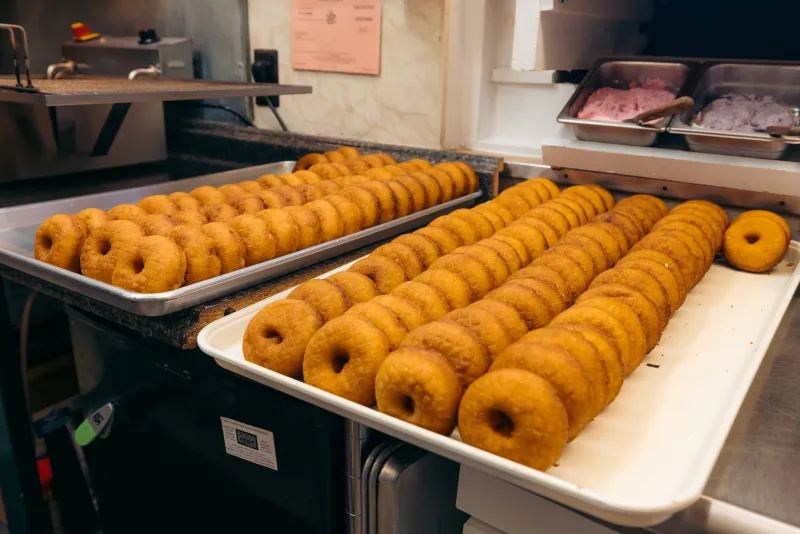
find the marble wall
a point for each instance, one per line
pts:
(402, 105)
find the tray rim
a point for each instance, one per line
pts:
(537, 482)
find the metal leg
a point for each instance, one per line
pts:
(355, 446)
(110, 128)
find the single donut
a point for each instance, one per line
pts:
(403, 201)
(308, 160)
(158, 204)
(624, 222)
(395, 170)
(592, 247)
(662, 268)
(156, 224)
(385, 198)
(454, 288)
(377, 174)
(552, 217)
(384, 272)
(767, 215)
(343, 358)
(357, 166)
(605, 322)
(608, 198)
(509, 317)
(269, 181)
(587, 207)
(533, 309)
(328, 187)
(228, 246)
(334, 157)
(232, 192)
(643, 209)
(541, 191)
(325, 297)
(562, 371)
(422, 164)
(190, 218)
(547, 276)
(484, 326)
(201, 262)
(355, 286)
(219, 212)
(548, 184)
(344, 181)
(573, 221)
(427, 250)
(373, 160)
(367, 203)
(59, 241)
(409, 166)
(641, 281)
(185, 201)
(384, 319)
(271, 199)
(258, 242)
(420, 387)
(102, 249)
(628, 318)
(755, 244)
(276, 338)
(290, 195)
(705, 215)
(445, 182)
(428, 298)
(701, 241)
(445, 239)
(703, 223)
(433, 191)
(92, 218)
(494, 219)
(516, 415)
(709, 207)
(473, 183)
(331, 225)
(475, 273)
(694, 261)
(652, 316)
(409, 313)
(572, 205)
(464, 229)
(251, 186)
(348, 212)
(515, 204)
(325, 171)
(308, 225)
(459, 177)
(154, 264)
(506, 251)
(547, 231)
(658, 207)
(519, 247)
(309, 192)
(404, 256)
(283, 228)
(613, 231)
(419, 197)
(497, 209)
(293, 179)
(528, 193)
(387, 159)
(568, 269)
(491, 259)
(307, 177)
(460, 347)
(546, 293)
(349, 153)
(126, 212)
(480, 222)
(673, 248)
(599, 232)
(606, 350)
(588, 194)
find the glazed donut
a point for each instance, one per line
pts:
(355, 286)
(409, 313)
(428, 298)
(531, 238)
(568, 269)
(446, 183)
(624, 222)
(384, 272)
(461, 181)
(348, 212)
(248, 203)
(547, 276)
(219, 212)
(446, 240)
(519, 247)
(384, 319)
(185, 201)
(419, 197)
(420, 387)
(755, 244)
(546, 293)
(325, 297)
(562, 371)
(330, 223)
(308, 225)
(573, 206)
(404, 256)
(628, 318)
(662, 268)
(606, 351)
(326, 171)
(603, 321)
(454, 288)
(573, 221)
(126, 212)
(552, 217)
(276, 338)
(385, 198)
(228, 246)
(231, 192)
(156, 224)
(334, 156)
(403, 201)
(308, 177)
(158, 204)
(373, 160)
(531, 307)
(473, 183)
(589, 194)
(268, 181)
(99, 254)
(433, 191)
(464, 229)
(201, 262)
(484, 326)
(527, 193)
(290, 195)
(343, 358)
(592, 247)
(258, 242)
(491, 259)
(367, 204)
(476, 219)
(515, 204)
(271, 199)
(153, 264)
(767, 215)
(460, 347)
(514, 414)
(506, 251)
(494, 219)
(308, 160)
(92, 218)
(349, 152)
(509, 317)
(59, 241)
(641, 281)
(292, 179)
(475, 273)
(251, 186)
(427, 250)
(190, 218)
(357, 166)
(548, 232)
(652, 316)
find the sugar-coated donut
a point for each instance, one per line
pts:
(690, 259)
(324, 296)
(498, 210)
(662, 268)
(158, 204)
(755, 244)
(703, 242)
(201, 262)
(367, 203)
(126, 212)
(330, 223)
(703, 223)
(515, 204)
(531, 238)
(714, 210)
(308, 160)
(271, 199)
(403, 201)
(454, 288)
(624, 222)
(569, 270)
(156, 224)
(276, 338)
(384, 319)
(548, 294)
(219, 212)
(290, 195)
(642, 281)
(547, 276)
(589, 194)
(427, 250)
(552, 217)
(579, 256)
(433, 191)
(428, 298)
(492, 216)
(228, 246)
(522, 252)
(92, 219)
(486, 327)
(232, 192)
(206, 194)
(550, 234)
(258, 242)
(355, 286)
(308, 225)
(475, 273)
(528, 193)
(566, 212)
(599, 231)
(185, 201)
(404, 256)
(308, 177)
(385, 272)
(592, 247)
(106, 244)
(59, 241)
(445, 239)
(251, 186)
(573, 206)
(153, 264)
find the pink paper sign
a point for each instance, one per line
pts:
(337, 35)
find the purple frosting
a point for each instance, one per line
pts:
(744, 113)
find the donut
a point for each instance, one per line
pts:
(344, 181)
(472, 177)
(290, 195)
(510, 318)
(251, 186)
(420, 387)
(694, 261)
(258, 242)
(532, 307)
(59, 241)
(219, 212)
(404, 256)
(308, 177)
(464, 229)
(308, 160)
(433, 191)
(377, 174)
(324, 296)
(248, 203)
(373, 160)
(624, 222)
(498, 210)
(641, 209)
(674, 249)
(494, 219)
(568, 269)
(475, 273)
(153, 264)
(385, 198)
(428, 298)
(547, 231)
(355, 286)
(328, 187)
(396, 170)
(348, 212)
(592, 247)
(190, 218)
(605, 350)
(228, 246)
(331, 225)
(641, 281)
(476, 219)
(552, 217)
(454, 288)
(660, 207)
(461, 181)
(445, 239)
(491, 259)
(100, 252)
(629, 320)
(269, 181)
(419, 197)
(588, 193)
(562, 371)
(572, 205)
(588, 208)
(755, 244)
(598, 232)
(384, 272)
(126, 212)
(460, 347)
(714, 210)
(427, 250)
(613, 231)
(506, 251)
(92, 218)
(409, 166)
(519, 247)
(349, 153)
(232, 192)
(486, 327)
(293, 179)
(156, 224)
(446, 183)
(421, 164)
(531, 238)
(515, 204)
(403, 201)
(387, 159)
(547, 276)
(367, 204)
(271, 199)
(185, 201)
(343, 358)
(158, 204)
(357, 166)
(308, 225)
(528, 193)
(551, 187)
(516, 415)
(201, 262)
(334, 156)
(309, 192)
(767, 215)
(546, 293)
(573, 221)
(276, 338)
(609, 202)
(384, 319)
(701, 241)
(703, 223)
(699, 213)
(662, 268)
(409, 313)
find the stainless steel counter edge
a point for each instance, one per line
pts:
(711, 516)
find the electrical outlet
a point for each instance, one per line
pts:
(265, 70)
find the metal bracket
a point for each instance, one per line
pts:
(110, 128)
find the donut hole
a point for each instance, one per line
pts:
(47, 242)
(752, 238)
(272, 336)
(501, 423)
(104, 247)
(137, 265)
(339, 361)
(407, 403)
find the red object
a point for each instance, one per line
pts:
(82, 32)
(45, 473)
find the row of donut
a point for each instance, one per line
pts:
(277, 337)
(541, 391)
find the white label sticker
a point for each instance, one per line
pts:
(249, 443)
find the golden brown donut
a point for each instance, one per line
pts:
(349, 153)
(606, 351)
(491, 259)
(515, 204)
(637, 214)
(205, 194)
(308, 225)
(512, 322)
(309, 192)
(464, 229)
(126, 212)
(290, 195)
(589, 194)
(396, 170)
(276, 338)
(599, 231)
(228, 246)
(541, 191)
(387, 159)
(92, 218)
(624, 222)
(344, 181)
(343, 358)
(404, 256)
(334, 156)
(158, 204)
(533, 309)
(703, 223)
(663, 269)
(506, 251)
(587, 207)
(767, 215)
(519, 247)
(551, 187)
(494, 219)
(420, 387)
(403, 201)
(528, 193)
(484, 326)
(428, 298)
(547, 276)
(755, 244)
(219, 212)
(284, 230)
(308, 160)
(548, 294)
(475, 273)
(293, 179)
(714, 210)
(258, 242)
(608, 198)
(709, 218)
(445, 183)
(377, 174)
(470, 182)
(408, 166)
(251, 186)
(568, 269)
(592, 247)
(348, 212)
(59, 241)
(185, 201)
(409, 313)
(152, 265)
(201, 262)
(373, 160)
(328, 187)
(579, 256)
(476, 219)
(497, 209)
(308, 177)
(357, 166)
(628, 318)
(156, 224)
(271, 199)
(701, 241)
(269, 181)
(572, 205)
(330, 222)
(473, 184)
(427, 250)
(190, 218)
(385, 272)
(548, 232)
(531, 238)
(355, 286)
(689, 258)
(102, 249)
(231, 192)
(419, 197)
(324, 296)
(445, 239)
(552, 217)
(652, 317)
(573, 221)
(367, 204)
(454, 288)
(385, 198)
(514, 414)
(422, 164)
(641, 281)
(433, 191)
(384, 319)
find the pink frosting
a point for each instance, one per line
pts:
(617, 105)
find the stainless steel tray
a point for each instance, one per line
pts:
(611, 73)
(780, 81)
(18, 226)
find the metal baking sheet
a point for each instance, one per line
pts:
(18, 227)
(650, 453)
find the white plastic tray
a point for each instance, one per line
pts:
(650, 453)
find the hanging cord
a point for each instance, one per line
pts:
(24, 328)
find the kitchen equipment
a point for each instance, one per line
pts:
(667, 110)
